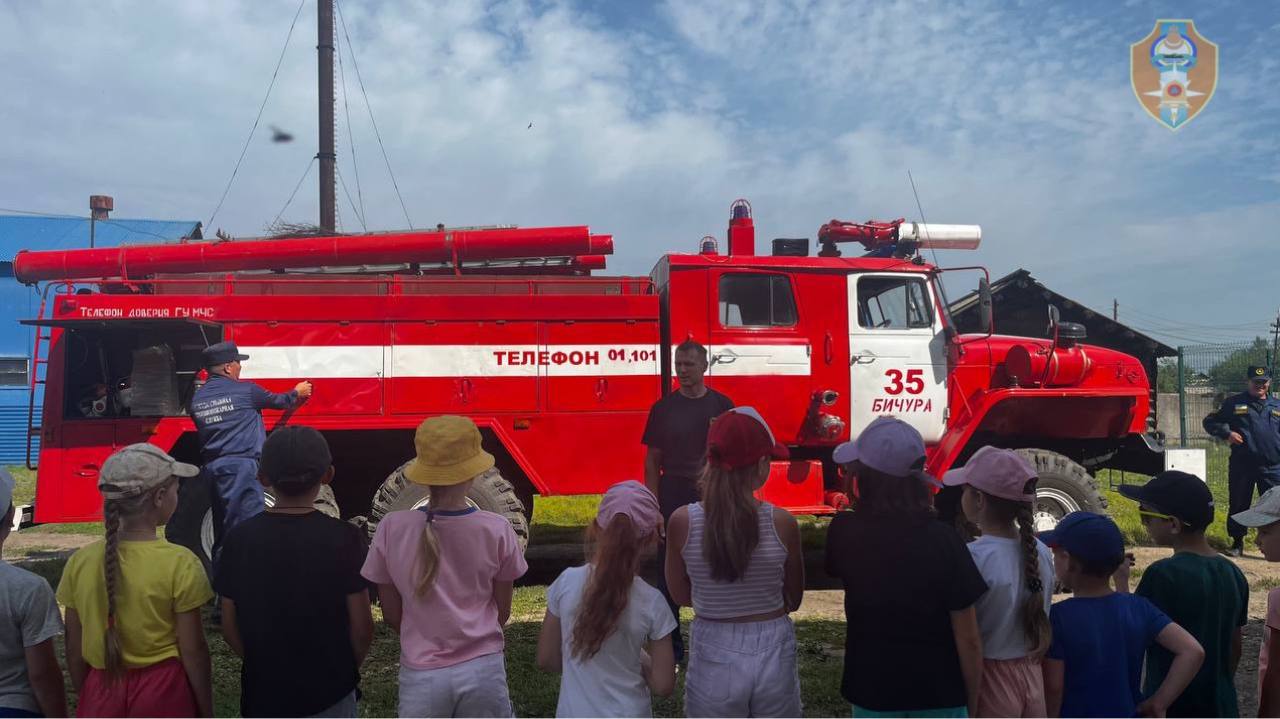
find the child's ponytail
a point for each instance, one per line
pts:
(1035, 623)
(732, 520)
(428, 555)
(615, 559)
(111, 514)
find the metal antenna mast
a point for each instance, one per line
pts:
(328, 156)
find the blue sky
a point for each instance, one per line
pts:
(650, 118)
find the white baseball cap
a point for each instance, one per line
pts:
(1265, 511)
(887, 445)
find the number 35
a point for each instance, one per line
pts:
(914, 383)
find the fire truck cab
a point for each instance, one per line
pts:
(558, 366)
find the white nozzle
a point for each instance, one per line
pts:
(941, 237)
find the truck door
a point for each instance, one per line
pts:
(759, 353)
(897, 352)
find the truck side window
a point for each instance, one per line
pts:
(893, 303)
(756, 300)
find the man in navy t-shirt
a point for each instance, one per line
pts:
(228, 418)
(1100, 636)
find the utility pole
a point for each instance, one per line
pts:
(1115, 310)
(327, 155)
(1275, 342)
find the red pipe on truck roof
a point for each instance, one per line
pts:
(448, 246)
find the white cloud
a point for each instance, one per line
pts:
(1021, 119)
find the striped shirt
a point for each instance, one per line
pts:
(758, 591)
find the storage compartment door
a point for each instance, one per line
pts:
(464, 367)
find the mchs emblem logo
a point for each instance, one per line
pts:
(1174, 71)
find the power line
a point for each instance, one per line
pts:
(356, 64)
(354, 211)
(1171, 321)
(257, 119)
(351, 142)
(295, 190)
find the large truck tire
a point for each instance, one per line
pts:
(192, 522)
(1064, 487)
(489, 492)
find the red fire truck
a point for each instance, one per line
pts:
(557, 365)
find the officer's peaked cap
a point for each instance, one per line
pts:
(221, 353)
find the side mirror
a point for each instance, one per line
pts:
(985, 317)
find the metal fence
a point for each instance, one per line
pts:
(1195, 383)
(1205, 375)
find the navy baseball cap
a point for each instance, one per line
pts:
(1176, 494)
(221, 353)
(1258, 374)
(1091, 538)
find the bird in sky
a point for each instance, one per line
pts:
(278, 135)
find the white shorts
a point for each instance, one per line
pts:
(745, 669)
(474, 688)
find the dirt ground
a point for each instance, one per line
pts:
(818, 603)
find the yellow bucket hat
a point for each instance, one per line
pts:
(449, 452)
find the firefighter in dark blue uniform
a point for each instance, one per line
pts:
(228, 418)
(1250, 423)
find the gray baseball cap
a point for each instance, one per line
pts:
(1265, 511)
(139, 468)
(6, 491)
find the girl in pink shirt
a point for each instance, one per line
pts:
(445, 575)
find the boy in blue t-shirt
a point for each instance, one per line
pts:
(1094, 664)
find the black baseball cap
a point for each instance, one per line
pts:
(296, 453)
(221, 353)
(1177, 494)
(1259, 374)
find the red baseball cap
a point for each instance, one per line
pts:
(740, 437)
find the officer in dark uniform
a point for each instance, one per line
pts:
(1250, 423)
(228, 418)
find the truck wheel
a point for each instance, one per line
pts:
(1064, 487)
(192, 522)
(490, 492)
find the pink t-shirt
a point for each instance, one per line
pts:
(1272, 623)
(457, 620)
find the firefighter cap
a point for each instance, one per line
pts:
(222, 353)
(1260, 374)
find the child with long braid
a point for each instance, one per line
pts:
(1013, 614)
(135, 644)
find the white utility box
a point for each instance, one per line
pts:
(1191, 461)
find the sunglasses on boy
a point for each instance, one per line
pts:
(1146, 514)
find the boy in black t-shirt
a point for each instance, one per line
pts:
(293, 603)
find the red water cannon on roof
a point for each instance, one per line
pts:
(897, 238)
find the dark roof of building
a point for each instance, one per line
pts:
(1021, 279)
(31, 232)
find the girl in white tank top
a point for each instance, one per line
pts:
(737, 562)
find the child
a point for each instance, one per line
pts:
(294, 605)
(135, 644)
(605, 627)
(1013, 614)
(1094, 664)
(737, 561)
(445, 576)
(1203, 592)
(1265, 515)
(910, 585)
(30, 678)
